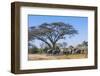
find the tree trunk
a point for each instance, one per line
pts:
(45, 42)
(54, 46)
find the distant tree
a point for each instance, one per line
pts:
(85, 43)
(71, 47)
(51, 33)
(64, 44)
(33, 50)
(79, 46)
(60, 45)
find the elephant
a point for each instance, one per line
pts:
(53, 52)
(77, 51)
(66, 52)
(49, 51)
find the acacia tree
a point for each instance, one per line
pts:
(51, 33)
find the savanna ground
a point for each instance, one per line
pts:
(53, 57)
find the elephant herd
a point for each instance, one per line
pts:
(65, 52)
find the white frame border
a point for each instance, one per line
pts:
(25, 64)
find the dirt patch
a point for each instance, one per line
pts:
(52, 57)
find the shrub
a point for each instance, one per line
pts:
(33, 50)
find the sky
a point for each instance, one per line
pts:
(79, 23)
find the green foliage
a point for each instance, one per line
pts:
(83, 45)
(45, 49)
(33, 50)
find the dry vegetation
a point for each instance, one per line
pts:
(53, 57)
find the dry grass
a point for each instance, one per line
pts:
(52, 57)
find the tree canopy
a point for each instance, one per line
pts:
(51, 33)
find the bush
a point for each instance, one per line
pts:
(45, 49)
(33, 50)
